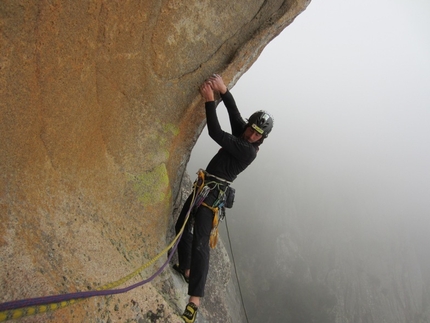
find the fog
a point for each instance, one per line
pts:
(348, 84)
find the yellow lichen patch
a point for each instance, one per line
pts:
(169, 131)
(151, 187)
(171, 128)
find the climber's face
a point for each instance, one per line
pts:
(251, 135)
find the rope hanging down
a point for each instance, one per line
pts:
(235, 272)
(26, 307)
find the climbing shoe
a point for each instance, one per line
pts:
(190, 313)
(182, 272)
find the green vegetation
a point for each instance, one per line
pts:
(151, 187)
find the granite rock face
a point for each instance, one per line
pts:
(99, 111)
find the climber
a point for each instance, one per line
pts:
(237, 152)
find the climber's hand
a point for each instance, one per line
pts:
(217, 83)
(207, 92)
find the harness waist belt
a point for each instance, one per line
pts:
(216, 179)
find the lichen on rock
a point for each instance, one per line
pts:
(151, 187)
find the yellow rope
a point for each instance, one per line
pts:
(39, 309)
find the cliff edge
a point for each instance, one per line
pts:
(99, 111)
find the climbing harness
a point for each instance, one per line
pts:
(225, 199)
(26, 307)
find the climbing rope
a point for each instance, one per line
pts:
(235, 271)
(26, 307)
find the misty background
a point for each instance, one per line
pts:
(331, 221)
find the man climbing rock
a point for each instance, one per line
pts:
(238, 150)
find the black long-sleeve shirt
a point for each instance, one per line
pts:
(236, 153)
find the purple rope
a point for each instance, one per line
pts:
(29, 302)
(67, 297)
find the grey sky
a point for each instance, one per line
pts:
(349, 86)
(348, 161)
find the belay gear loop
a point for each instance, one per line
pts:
(202, 189)
(224, 200)
(201, 196)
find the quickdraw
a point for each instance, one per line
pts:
(217, 207)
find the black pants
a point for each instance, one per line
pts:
(193, 248)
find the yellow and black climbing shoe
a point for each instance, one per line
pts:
(182, 272)
(190, 313)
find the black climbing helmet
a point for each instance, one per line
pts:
(262, 122)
